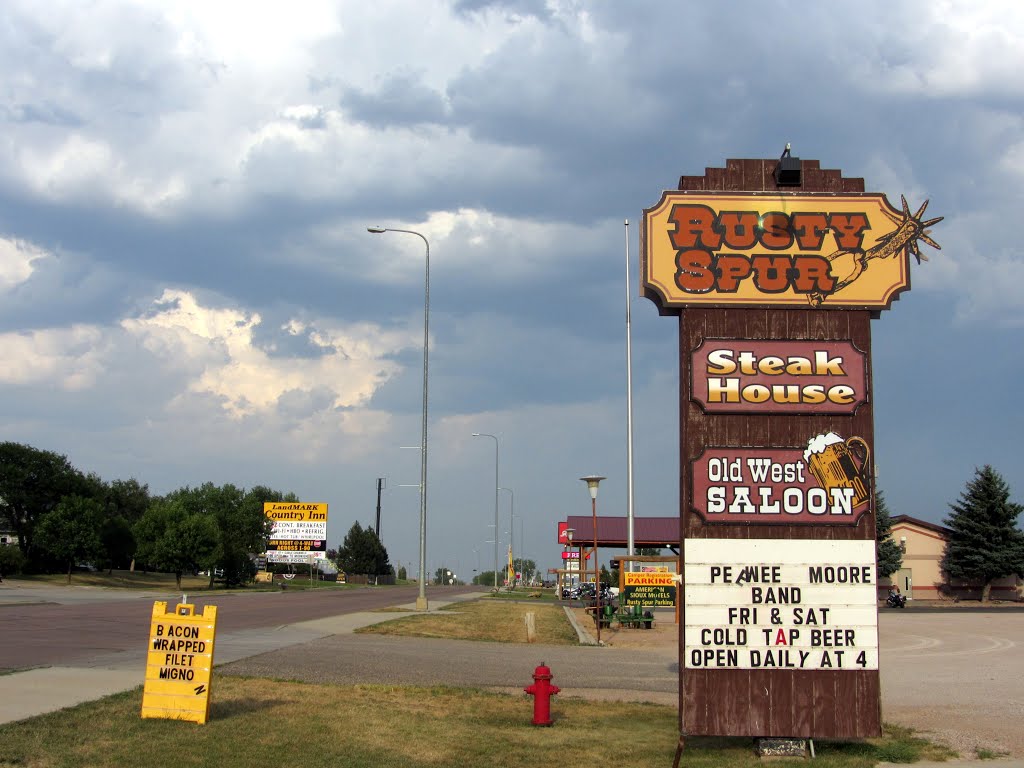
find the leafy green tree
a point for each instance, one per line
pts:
(362, 552)
(985, 543)
(11, 560)
(118, 543)
(32, 483)
(402, 575)
(172, 538)
(888, 555)
(127, 499)
(70, 532)
(238, 516)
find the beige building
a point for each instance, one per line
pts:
(922, 578)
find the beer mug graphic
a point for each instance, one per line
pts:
(838, 463)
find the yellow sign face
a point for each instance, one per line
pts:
(660, 579)
(179, 663)
(798, 250)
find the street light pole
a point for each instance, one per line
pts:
(496, 485)
(630, 539)
(592, 482)
(511, 524)
(421, 600)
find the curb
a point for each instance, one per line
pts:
(582, 634)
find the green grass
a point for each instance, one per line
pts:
(120, 580)
(164, 582)
(262, 722)
(988, 754)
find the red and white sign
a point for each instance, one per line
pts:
(778, 376)
(825, 483)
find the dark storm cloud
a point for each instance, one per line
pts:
(400, 100)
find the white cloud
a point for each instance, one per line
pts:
(16, 258)
(66, 358)
(217, 346)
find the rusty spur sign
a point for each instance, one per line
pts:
(763, 249)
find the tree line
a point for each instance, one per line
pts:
(62, 517)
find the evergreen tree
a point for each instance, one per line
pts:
(362, 552)
(888, 554)
(985, 543)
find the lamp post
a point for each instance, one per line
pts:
(496, 485)
(569, 532)
(421, 600)
(511, 523)
(592, 482)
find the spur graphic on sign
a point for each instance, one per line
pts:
(778, 376)
(748, 249)
(826, 482)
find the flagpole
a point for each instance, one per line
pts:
(631, 550)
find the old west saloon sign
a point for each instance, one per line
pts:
(778, 376)
(799, 250)
(826, 482)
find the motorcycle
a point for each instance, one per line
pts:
(896, 600)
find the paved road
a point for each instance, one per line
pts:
(42, 625)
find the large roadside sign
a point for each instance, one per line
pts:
(299, 531)
(775, 288)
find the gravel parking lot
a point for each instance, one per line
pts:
(957, 675)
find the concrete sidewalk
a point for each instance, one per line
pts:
(48, 689)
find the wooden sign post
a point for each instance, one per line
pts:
(775, 288)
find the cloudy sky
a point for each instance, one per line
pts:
(188, 291)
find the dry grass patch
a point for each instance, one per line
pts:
(484, 620)
(256, 722)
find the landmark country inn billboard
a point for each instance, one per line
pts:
(299, 531)
(775, 284)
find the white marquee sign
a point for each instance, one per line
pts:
(780, 604)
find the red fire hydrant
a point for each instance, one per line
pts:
(542, 690)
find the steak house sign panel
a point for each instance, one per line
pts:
(841, 251)
(736, 376)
